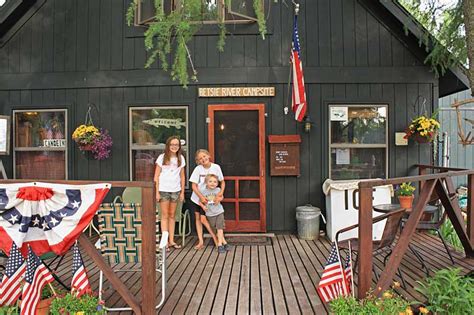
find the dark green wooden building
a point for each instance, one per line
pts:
(365, 79)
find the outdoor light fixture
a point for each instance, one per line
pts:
(307, 124)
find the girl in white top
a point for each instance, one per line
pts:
(204, 167)
(170, 180)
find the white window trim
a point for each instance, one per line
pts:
(132, 147)
(358, 146)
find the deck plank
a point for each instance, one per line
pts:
(233, 291)
(267, 300)
(280, 278)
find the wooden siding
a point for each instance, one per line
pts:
(459, 155)
(71, 53)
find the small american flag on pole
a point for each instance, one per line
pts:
(80, 283)
(333, 282)
(10, 288)
(298, 103)
(37, 275)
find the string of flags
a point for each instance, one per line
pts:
(26, 279)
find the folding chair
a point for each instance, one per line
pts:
(121, 242)
(183, 219)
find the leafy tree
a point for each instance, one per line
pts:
(451, 23)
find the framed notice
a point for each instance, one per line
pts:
(4, 135)
(284, 155)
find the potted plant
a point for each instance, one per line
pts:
(422, 129)
(9, 310)
(71, 304)
(90, 138)
(405, 195)
(47, 296)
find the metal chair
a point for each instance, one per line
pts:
(182, 218)
(384, 245)
(121, 242)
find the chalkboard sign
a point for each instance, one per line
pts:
(284, 155)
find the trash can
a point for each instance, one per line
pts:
(307, 221)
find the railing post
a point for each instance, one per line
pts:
(470, 209)
(148, 251)
(365, 241)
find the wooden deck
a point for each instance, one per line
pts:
(279, 278)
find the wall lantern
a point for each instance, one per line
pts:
(307, 124)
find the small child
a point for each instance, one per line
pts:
(214, 210)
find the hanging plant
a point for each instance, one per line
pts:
(170, 33)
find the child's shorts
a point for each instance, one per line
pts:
(217, 222)
(196, 208)
(169, 196)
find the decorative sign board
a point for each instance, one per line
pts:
(237, 91)
(284, 155)
(400, 138)
(4, 135)
(54, 143)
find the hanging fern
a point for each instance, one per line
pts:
(170, 34)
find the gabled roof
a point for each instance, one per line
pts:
(12, 13)
(455, 79)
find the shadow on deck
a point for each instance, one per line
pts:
(279, 278)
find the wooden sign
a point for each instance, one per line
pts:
(236, 91)
(284, 155)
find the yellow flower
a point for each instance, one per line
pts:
(396, 284)
(387, 295)
(423, 310)
(408, 311)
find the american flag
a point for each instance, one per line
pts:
(10, 288)
(299, 95)
(333, 281)
(80, 283)
(37, 275)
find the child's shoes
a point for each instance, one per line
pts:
(221, 249)
(227, 247)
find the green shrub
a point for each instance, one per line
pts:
(70, 304)
(388, 304)
(9, 310)
(450, 235)
(448, 292)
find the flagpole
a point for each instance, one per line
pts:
(296, 12)
(352, 273)
(343, 272)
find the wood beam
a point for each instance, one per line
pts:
(216, 76)
(365, 241)
(470, 209)
(90, 249)
(402, 245)
(148, 251)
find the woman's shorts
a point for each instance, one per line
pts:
(169, 196)
(196, 208)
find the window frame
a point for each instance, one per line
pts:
(132, 147)
(358, 146)
(221, 10)
(41, 149)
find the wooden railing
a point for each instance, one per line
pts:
(437, 184)
(148, 302)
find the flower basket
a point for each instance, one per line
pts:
(97, 141)
(85, 147)
(422, 129)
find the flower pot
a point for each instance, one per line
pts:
(44, 305)
(86, 147)
(406, 202)
(420, 139)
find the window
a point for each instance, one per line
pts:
(40, 144)
(213, 11)
(358, 141)
(149, 129)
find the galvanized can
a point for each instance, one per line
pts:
(307, 221)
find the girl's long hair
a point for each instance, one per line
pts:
(167, 157)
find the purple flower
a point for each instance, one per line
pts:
(102, 145)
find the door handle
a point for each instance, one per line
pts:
(262, 173)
